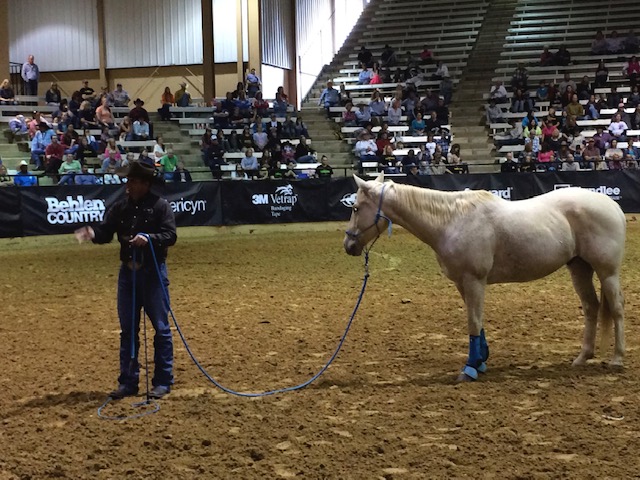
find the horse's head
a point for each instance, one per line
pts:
(367, 220)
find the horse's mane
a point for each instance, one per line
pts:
(441, 207)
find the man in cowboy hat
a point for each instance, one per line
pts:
(182, 97)
(141, 220)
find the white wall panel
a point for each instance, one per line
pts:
(278, 48)
(61, 34)
(153, 33)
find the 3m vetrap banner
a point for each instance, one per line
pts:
(56, 210)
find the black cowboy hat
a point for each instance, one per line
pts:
(139, 170)
(138, 101)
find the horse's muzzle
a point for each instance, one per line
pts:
(351, 245)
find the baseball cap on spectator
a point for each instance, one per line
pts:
(621, 105)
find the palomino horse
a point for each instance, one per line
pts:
(481, 239)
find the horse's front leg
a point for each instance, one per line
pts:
(472, 291)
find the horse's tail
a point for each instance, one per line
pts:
(605, 320)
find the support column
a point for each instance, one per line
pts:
(291, 76)
(255, 35)
(239, 42)
(4, 40)
(208, 60)
(102, 46)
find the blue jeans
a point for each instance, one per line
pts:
(149, 296)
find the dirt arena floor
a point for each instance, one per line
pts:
(264, 307)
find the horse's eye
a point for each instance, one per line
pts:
(355, 209)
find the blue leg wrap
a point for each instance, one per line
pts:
(484, 346)
(475, 351)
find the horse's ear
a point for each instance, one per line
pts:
(380, 178)
(359, 182)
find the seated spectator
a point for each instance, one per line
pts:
(633, 100)
(599, 44)
(349, 118)
(614, 98)
(181, 174)
(53, 156)
(554, 142)
(363, 114)
(562, 57)
(304, 153)
(141, 130)
(86, 115)
(111, 160)
(301, 127)
(418, 125)
(110, 177)
(261, 106)
(260, 138)
(39, 143)
(85, 151)
(182, 97)
(618, 128)
(290, 172)
(236, 119)
(546, 157)
(430, 101)
(324, 170)
(498, 93)
(388, 57)
(590, 155)
(584, 89)
(168, 164)
(613, 156)
(120, 97)
(388, 163)
(433, 125)
(601, 75)
(565, 98)
(631, 70)
(624, 116)
(376, 75)
(615, 43)
(394, 114)
(365, 148)
(69, 167)
(84, 177)
(5, 178)
(567, 82)
(437, 166)
(520, 78)
(280, 106)
(330, 97)
(631, 42)
(569, 164)
(521, 102)
(454, 157)
(546, 57)
(575, 108)
(426, 56)
(125, 129)
(441, 71)
(527, 164)
(509, 165)
(344, 95)
(629, 162)
(7, 96)
(364, 77)
(511, 137)
(365, 56)
(138, 112)
(104, 117)
(635, 119)
(18, 127)
(86, 92)
(53, 96)
(166, 101)
(24, 178)
(249, 164)
(399, 76)
(246, 139)
(442, 112)
(377, 106)
(542, 93)
(382, 141)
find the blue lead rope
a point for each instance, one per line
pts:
(210, 377)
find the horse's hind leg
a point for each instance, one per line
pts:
(613, 308)
(582, 276)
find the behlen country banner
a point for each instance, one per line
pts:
(60, 210)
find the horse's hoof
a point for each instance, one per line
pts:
(482, 368)
(616, 363)
(468, 374)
